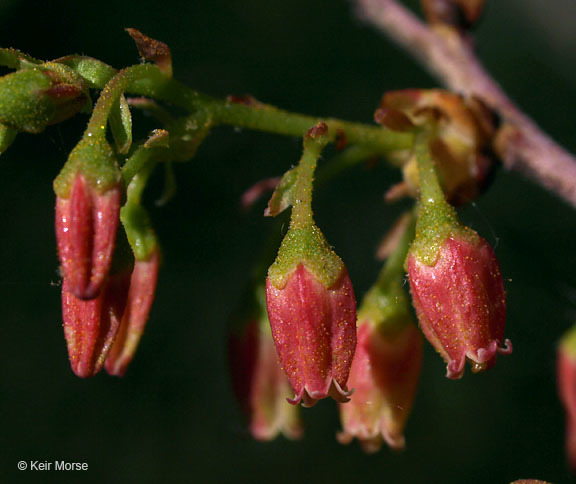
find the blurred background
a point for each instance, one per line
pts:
(173, 418)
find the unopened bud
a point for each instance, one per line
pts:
(91, 326)
(135, 316)
(33, 98)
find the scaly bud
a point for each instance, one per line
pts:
(91, 326)
(259, 383)
(566, 376)
(135, 315)
(35, 97)
(460, 146)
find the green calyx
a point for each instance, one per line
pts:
(568, 342)
(386, 304)
(304, 243)
(139, 231)
(38, 95)
(386, 307)
(135, 218)
(94, 158)
(437, 219)
(7, 136)
(22, 106)
(306, 246)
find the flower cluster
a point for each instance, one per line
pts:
(302, 339)
(370, 362)
(104, 311)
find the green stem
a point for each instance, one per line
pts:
(148, 80)
(114, 88)
(386, 303)
(134, 217)
(139, 161)
(434, 209)
(302, 215)
(393, 270)
(268, 118)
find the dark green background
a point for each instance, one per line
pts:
(173, 418)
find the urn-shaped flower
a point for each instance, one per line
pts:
(259, 383)
(314, 327)
(384, 376)
(566, 376)
(460, 301)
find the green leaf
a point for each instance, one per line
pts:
(121, 125)
(7, 135)
(283, 196)
(96, 73)
(14, 58)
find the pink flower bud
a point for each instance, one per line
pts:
(135, 316)
(460, 302)
(314, 328)
(384, 376)
(260, 385)
(86, 225)
(566, 375)
(91, 326)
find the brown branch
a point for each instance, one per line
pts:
(449, 56)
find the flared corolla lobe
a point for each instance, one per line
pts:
(460, 302)
(314, 328)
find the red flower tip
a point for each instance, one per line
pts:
(566, 376)
(260, 384)
(461, 304)
(86, 225)
(314, 328)
(91, 326)
(135, 316)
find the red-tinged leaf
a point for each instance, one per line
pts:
(153, 50)
(283, 196)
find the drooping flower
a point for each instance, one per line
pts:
(384, 376)
(135, 315)
(461, 303)
(455, 280)
(314, 328)
(310, 300)
(259, 383)
(388, 357)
